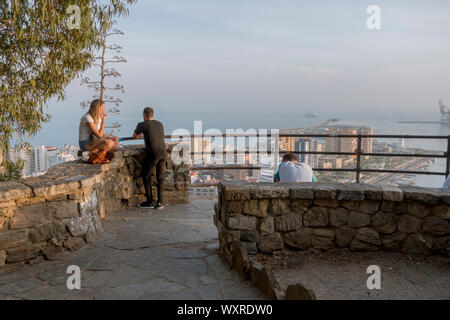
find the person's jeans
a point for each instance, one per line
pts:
(83, 144)
(150, 162)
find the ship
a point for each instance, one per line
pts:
(311, 115)
(445, 112)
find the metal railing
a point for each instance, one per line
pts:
(358, 153)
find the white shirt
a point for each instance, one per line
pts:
(85, 131)
(295, 172)
(447, 183)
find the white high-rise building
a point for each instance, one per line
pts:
(38, 159)
(307, 144)
(51, 157)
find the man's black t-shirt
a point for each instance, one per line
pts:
(153, 131)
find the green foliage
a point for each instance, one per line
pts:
(12, 171)
(40, 56)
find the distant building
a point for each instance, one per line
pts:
(307, 144)
(347, 161)
(330, 162)
(51, 157)
(366, 143)
(343, 144)
(201, 145)
(38, 159)
(288, 143)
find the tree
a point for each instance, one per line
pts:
(40, 55)
(102, 61)
(12, 170)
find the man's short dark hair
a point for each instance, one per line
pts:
(289, 157)
(148, 112)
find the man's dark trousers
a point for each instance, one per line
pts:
(150, 162)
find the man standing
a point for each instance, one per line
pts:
(155, 156)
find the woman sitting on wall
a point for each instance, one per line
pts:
(92, 135)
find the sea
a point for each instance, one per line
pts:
(62, 129)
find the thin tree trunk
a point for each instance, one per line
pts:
(102, 73)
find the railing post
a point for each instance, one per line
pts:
(447, 166)
(358, 159)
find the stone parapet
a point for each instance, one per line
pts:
(62, 210)
(300, 216)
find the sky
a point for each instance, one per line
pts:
(247, 63)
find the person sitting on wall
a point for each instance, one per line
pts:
(155, 156)
(92, 135)
(290, 170)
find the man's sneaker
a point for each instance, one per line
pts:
(159, 205)
(145, 205)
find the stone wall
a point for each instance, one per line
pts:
(62, 210)
(266, 217)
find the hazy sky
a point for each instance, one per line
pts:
(198, 59)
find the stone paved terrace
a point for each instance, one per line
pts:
(141, 254)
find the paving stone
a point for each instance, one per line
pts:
(185, 294)
(127, 275)
(103, 265)
(207, 280)
(183, 278)
(209, 292)
(13, 288)
(59, 292)
(184, 254)
(239, 291)
(96, 279)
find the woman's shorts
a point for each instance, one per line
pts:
(83, 144)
